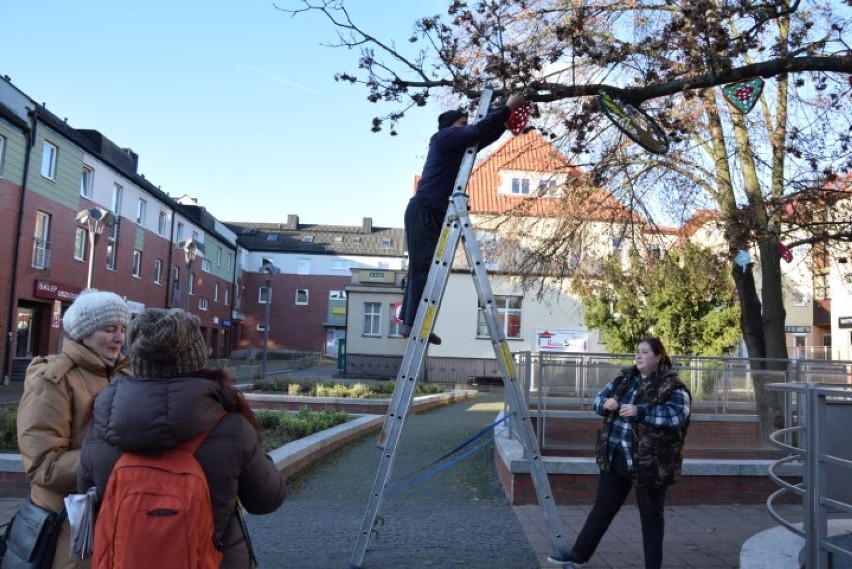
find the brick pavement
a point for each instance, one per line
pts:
(460, 517)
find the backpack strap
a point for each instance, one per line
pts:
(192, 445)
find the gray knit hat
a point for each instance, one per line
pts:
(166, 343)
(94, 310)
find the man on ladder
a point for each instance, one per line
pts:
(432, 242)
(424, 216)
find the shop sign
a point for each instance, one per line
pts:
(797, 329)
(844, 322)
(56, 291)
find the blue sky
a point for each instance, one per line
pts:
(231, 102)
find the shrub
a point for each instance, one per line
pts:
(325, 389)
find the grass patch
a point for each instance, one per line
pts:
(277, 427)
(377, 389)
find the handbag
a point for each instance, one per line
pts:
(31, 537)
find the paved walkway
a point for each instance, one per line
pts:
(460, 517)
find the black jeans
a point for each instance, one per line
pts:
(613, 487)
(423, 225)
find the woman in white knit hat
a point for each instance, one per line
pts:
(58, 391)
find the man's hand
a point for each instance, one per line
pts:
(611, 405)
(514, 101)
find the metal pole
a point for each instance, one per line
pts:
(266, 326)
(92, 237)
(188, 282)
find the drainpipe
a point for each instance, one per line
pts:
(169, 283)
(13, 301)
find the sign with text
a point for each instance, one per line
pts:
(797, 329)
(844, 322)
(555, 340)
(56, 291)
(376, 276)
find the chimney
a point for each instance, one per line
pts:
(293, 222)
(367, 225)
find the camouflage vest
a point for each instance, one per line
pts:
(657, 453)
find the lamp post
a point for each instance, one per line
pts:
(95, 219)
(190, 248)
(270, 269)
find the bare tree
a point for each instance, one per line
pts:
(763, 170)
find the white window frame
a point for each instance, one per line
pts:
(136, 269)
(262, 295)
(205, 265)
(342, 264)
(87, 177)
(179, 231)
(41, 241)
(2, 153)
(141, 211)
(81, 242)
(49, 156)
(227, 299)
(372, 323)
(162, 224)
(303, 266)
(191, 285)
(337, 295)
(520, 186)
(506, 305)
(117, 198)
(215, 292)
(158, 271)
(394, 328)
(218, 256)
(203, 304)
(302, 296)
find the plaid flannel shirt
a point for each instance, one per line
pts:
(668, 415)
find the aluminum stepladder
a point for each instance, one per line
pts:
(456, 226)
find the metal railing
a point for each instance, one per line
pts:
(814, 409)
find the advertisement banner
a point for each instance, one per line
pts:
(556, 340)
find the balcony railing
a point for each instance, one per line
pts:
(41, 254)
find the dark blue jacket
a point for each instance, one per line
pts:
(446, 152)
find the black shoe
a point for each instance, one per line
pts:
(434, 339)
(570, 561)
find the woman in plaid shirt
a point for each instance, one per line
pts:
(646, 416)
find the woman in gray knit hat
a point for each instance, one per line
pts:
(174, 398)
(58, 391)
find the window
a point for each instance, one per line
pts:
(372, 319)
(205, 265)
(41, 243)
(2, 153)
(110, 259)
(48, 160)
(521, 186)
(342, 265)
(301, 296)
(548, 188)
(386, 243)
(190, 286)
(117, 196)
(227, 296)
(202, 303)
(137, 263)
(161, 224)
(228, 261)
(261, 328)
(158, 271)
(394, 327)
(86, 179)
(179, 232)
(175, 284)
(195, 236)
(616, 245)
(303, 266)
(801, 296)
(337, 295)
(489, 245)
(262, 295)
(655, 251)
(307, 238)
(215, 292)
(80, 244)
(508, 314)
(141, 211)
(218, 256)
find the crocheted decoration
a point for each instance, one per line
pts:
(744, 94)
(518, 118)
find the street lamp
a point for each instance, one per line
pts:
(190, 248)
(95, 219)
(270, 269)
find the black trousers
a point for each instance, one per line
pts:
(422, 229)
(613, 487)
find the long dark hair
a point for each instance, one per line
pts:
(659, 349)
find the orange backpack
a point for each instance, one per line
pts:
(156, 513)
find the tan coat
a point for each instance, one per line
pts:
(52, 416)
